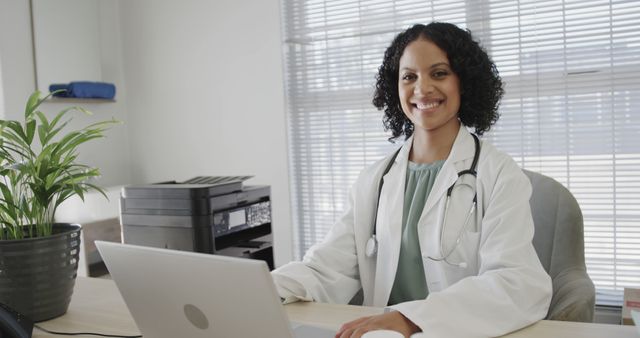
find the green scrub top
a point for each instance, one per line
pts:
(410, 283)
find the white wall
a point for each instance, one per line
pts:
(111, 154)
(18, 76)
(200, 92)
(60, 58)
(205, 95)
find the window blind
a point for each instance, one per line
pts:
(2, 107)
(571, 109)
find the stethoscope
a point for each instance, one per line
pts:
(371, 248)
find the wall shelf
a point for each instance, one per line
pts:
(78, 100)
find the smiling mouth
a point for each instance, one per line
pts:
(428, 105)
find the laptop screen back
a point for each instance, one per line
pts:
(183, 294)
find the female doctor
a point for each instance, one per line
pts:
(440, 231)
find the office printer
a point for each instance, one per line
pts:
(207, 214)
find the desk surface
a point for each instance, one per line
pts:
(98, 307)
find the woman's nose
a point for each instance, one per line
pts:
(423, 86)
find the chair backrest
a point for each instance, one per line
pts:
(559, 242)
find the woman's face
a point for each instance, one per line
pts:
(429, 90)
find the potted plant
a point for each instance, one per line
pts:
(38, 171)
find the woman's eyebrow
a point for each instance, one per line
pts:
(431, 67)
(439, 64)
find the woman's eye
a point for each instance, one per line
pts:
(408, 77)
(440, 73)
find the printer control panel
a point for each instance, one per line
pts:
(237, 219)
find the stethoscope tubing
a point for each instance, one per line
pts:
(443, 256)
(371, 248)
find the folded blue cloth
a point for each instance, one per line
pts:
(85, 89)
(59, 90)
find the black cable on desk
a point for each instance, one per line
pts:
(83, 333)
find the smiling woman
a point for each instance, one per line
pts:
(426, 265)
(570, 110)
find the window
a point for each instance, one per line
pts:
(571, 109)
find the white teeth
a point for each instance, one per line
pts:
(429, 105)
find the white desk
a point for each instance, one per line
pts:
(98, 307)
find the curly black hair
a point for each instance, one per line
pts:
(480, 85)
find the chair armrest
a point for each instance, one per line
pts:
(573, 298)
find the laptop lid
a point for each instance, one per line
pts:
(184, 294)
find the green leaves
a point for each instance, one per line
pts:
(32, 104)
(39, 173)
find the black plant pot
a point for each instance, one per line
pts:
(37, 275)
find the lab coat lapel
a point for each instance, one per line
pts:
(463, 149)
(389, 226)
(389, 221)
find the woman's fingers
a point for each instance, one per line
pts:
(394, 321)
(349, 327)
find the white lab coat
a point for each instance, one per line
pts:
(503, 286)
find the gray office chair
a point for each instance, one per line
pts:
(559, 242)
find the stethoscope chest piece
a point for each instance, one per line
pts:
(371, 249)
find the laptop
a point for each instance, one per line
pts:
(174, 293)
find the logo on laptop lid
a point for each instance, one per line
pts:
(196, 317)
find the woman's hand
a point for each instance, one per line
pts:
(393, 320)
